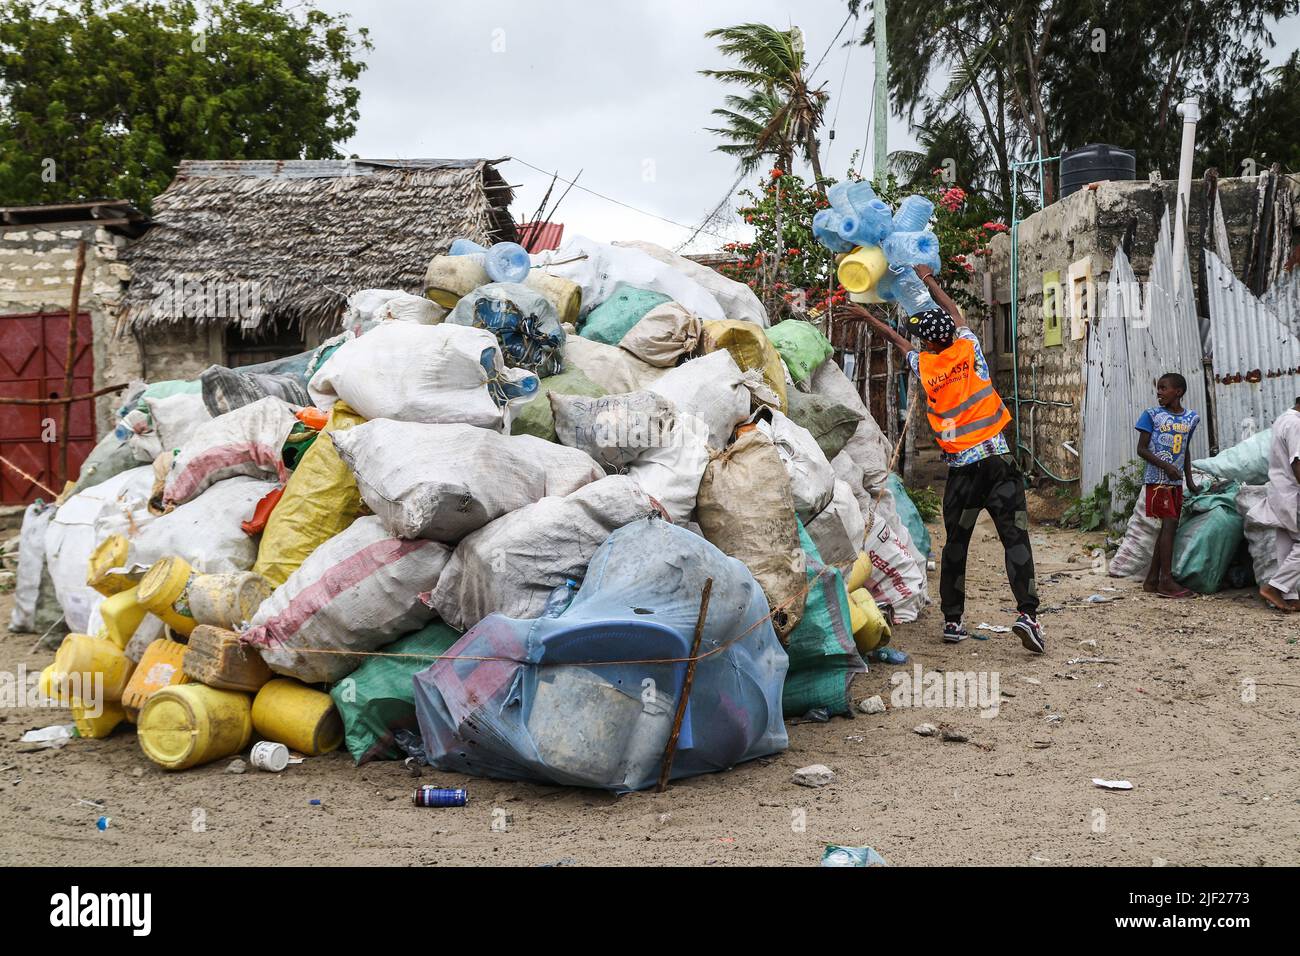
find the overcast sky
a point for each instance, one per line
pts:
(610, 88)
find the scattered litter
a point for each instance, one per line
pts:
(1090, 642)
(1038, 860)
(855, 738)
(1092, 660)
(872, 705)
(816, 775)
(563, 861)
(1042, 744)
(54, 736)
(102, 823)
(852, 856)
(1066, 676)
(818, 715)
(954, 736)
(441, 797)
(1112, 784)
(888, 655)
(1053, 718)
(314, 801)
(995, 628)
(926, 730)
(269, 755)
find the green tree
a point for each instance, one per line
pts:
(779, 115)
(102, 100)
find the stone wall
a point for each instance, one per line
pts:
(1083, 231)
(37, 267)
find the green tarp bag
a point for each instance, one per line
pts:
(536, 417)
(830, 423)
(823, 657)
(1208, 537)
(908, 514)
(610, 321)
(378, 698)
(1246, 461)
(801, 346)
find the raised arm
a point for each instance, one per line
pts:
(941, 298)
(892, 336)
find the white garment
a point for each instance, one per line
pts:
(1281, 505)
(1287, 576)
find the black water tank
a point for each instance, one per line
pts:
(1095, 163)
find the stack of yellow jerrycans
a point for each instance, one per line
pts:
(197, 694)
(870, 628)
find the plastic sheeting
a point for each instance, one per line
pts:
(560, 704)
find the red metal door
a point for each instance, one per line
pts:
(32, 352)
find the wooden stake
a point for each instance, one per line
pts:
(71, 356)
(682, 699)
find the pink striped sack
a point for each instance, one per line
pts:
(246, 441)
(357, 592)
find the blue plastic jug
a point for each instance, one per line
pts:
(508, 262)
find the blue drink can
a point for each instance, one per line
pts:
(439, 797)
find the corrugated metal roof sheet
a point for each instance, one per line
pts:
(1256, 350)
(541, 236)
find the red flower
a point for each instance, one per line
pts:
(777, 173)
(792, 251)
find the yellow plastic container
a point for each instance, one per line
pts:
(862, 268)
(45, 684)
(859, 574)
(752, 350)
(96, 727)
(111, 553)
(186, 726)
(82, 659)
(561, 293)
(227, 600)
(122, 614)
(164, 590)
(159, 667)
(293, 714)
(870, 629)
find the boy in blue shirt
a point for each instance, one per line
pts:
(1165, 433)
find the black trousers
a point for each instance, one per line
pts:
(993, 484)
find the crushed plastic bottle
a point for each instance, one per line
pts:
(466, 247)
(902, 285)
(888, 655)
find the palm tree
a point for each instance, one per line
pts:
(780, 114)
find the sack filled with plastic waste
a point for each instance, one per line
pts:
(111, 456)
(823, 656)
(896, 579)
(557, 705)
(378, 698)
(424, 373)
(745, 508)
(1261, 539)
(713, 389)
(615, 430)
(751, 348)
(664, 335)
(615, 317)
(512, 564)
(177, 417)
(1209, 536)
(247, 441)
(536, 418)
(392, 305)
(444, 481)
(671, 472)
(812, 479)
(830, 423)
(802, 346)
(523, 321)
(838, 529)
(1137, 547)
(356, 592)
(320, 499)
(225, 389)
(599, 269)
(613, 369)
(909, 515)
(1246, 461)
(36, 605)
(736, 299)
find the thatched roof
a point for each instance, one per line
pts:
(288, 240)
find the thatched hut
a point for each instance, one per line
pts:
(249, 260)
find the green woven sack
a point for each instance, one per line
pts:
(830, 423)
(801, 345)
(535, 418)
(1208, 537)
(378, 698)
(610, 321)
(823, 657)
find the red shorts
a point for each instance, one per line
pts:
(1164, 501)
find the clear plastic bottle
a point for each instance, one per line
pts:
(466, 247)
(902, 285)
(560, 598)
(508, 262)
(913, 214)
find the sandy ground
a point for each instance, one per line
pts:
(1214, 775)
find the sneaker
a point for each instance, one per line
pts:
(1030, 633)
(954, 632)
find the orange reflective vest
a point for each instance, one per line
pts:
(963, 410)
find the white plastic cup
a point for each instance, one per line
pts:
(270, 756)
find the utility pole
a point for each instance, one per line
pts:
(880, 156)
